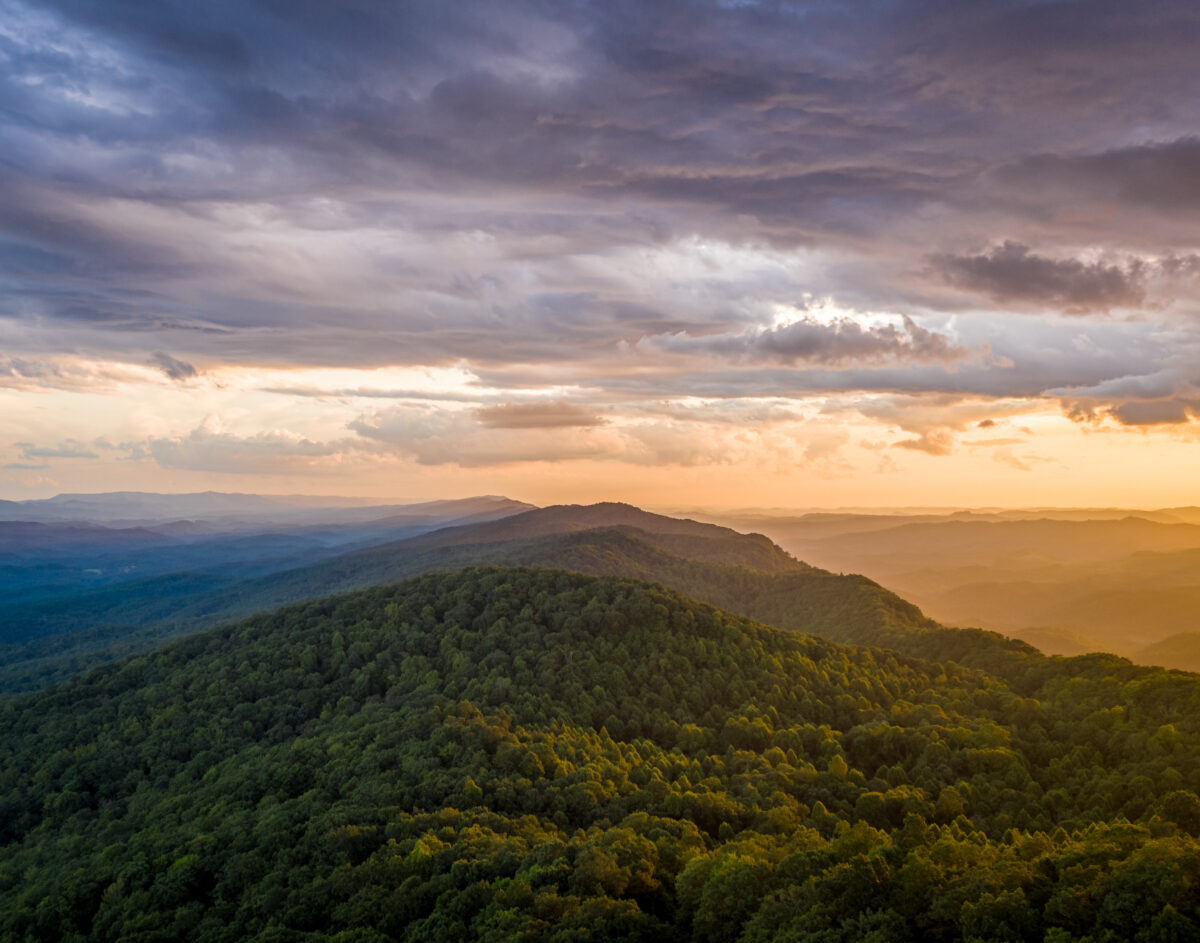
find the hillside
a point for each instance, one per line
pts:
(1182, 650)
(537, 755)
(753, 578)
(744, 573)
(1066, 581)
(53, 632)
(565, 518)
(76, 593)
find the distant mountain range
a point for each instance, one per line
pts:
(79, 592)
(1068, 581)
(220, 510)
(62, 632)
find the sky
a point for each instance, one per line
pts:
(722, 254)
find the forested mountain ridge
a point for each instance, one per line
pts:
(537, 755)
(742, 573)
(565, 518)
(518, 538)
(1068, 582)
(754, 578)
(50, 639)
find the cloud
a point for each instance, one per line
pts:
(433, 436)
(1160, 383)
(425, 185)
(1169, 396)
(683, 444)
(68, 448)
(808, 340)
(66, 373)
(207, 448)
(1169, 410)
(1160, 176)
(19, 367)
(443, 396)
(1007, 457)
(1011, 273)
(933, 442)
(936, 420)
(825, 445)
(174, 369)
(1154, 412)
(537, 415)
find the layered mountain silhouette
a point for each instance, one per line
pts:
(1068, 581)
(744, 573)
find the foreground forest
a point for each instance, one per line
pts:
(511, 754)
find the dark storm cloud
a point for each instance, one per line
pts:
(427, 183)
(1012, 273)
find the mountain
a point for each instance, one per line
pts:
(516, 539)
(26, 537)
(74, 592)
(116, 506)
(744, 573)
(220, 510)
(1068, 581)
(499, 754)
(1181, 650)
(1049, 540)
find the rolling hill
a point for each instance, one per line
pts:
(1182, 650)
(1066, 581)
(744, 573)
(500, 754)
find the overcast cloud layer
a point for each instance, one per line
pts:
(595, 211)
